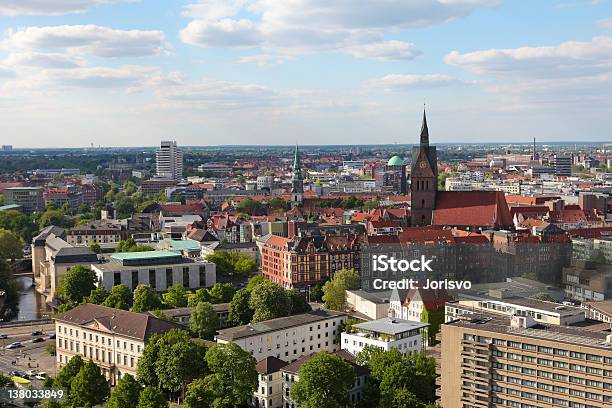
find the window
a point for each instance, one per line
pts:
(152, 278)
(134, 279)
(202, 275)
(185, 276)
(168, 277)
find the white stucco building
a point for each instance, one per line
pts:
(385, 334)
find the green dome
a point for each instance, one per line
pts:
(395, 161)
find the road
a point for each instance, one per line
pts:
(30, 353)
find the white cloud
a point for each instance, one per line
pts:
(385, 51)
(265, 60)
(6, 72)
(223, 33)
(293, 27)
(605, 23)
(569, 59)
(49, 7)
(396, 82)
(89, 40)
(43, 60)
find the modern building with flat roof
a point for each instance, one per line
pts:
(159, 269)
(386, 334)
(502, 361)
(287, 338)
(29, 198)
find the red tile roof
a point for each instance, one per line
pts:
(486, 209)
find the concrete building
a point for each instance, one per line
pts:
(290, 375)
(374, 305)
(159, 269)
(52, 256)
(514, 362)
(29, 198)
(169, 161)
(588, 281)
(287, 338)
(563, 165)
(113, 338)
(601, 311)
(386, 334)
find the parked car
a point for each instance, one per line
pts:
(3, 336)
(14, 346)
(30, 373)
(37, 333)
(38, 340)
(41, 376)
(17, 373)
(52, 336)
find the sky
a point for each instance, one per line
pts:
(75, 73)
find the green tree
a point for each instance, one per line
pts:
(89, 387)
(55, 217)
(221, 293)
(244, 264)
(95, 247)
(152, 397)
(171, 361)
(239, 310)
(415, 373)
(269, 301)
(201, 393)
(11, 246)
(96, 296)
(298, 302)
(176, 296)
(120, 297)
(19, 223)
(324, 380)
(145, 299)
(334, 291)
(403, 398)
(204, 321)
(125, 394)
(544, 296)
(435, 318)
(254, 281)
(200, 295)
(5, 381)
(77, 282)
(378, 360)
(234, 374)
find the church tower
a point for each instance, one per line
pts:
(423, 179)
(297, 181)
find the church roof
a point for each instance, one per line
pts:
(472, 209)
(395, 161)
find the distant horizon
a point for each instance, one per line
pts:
(271, 72)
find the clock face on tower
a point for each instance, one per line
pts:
(422, 165)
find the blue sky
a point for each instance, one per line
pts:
(209, 72)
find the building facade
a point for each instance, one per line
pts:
(158, 269)
(29, 198)
(385, 334)
(113, 338)
(287, 338)
(169, 161)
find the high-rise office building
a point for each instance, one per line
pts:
(517, 362)
(563, 165)
(169, 161)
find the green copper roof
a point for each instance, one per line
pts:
(122, 256)
(185, 245)
(395, 161)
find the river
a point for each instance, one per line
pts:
(31, 304)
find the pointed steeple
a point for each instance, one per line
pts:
(297, 166)
(424, 131)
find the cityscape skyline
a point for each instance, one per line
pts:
(123, 73)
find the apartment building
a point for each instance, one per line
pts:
(98, 231)
(386, 334)
(287, 338)
(501, 361)
(113, 338)
(269, 391)
(182, 315)
(303, 261)
(159, 269)
(29, 198)
(539, 310)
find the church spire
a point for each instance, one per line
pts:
(424, 130)
(297, 166)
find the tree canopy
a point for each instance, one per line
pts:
(269, 301)
(145, 299)
(334, 291)
(76, 283)
(204, 321)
